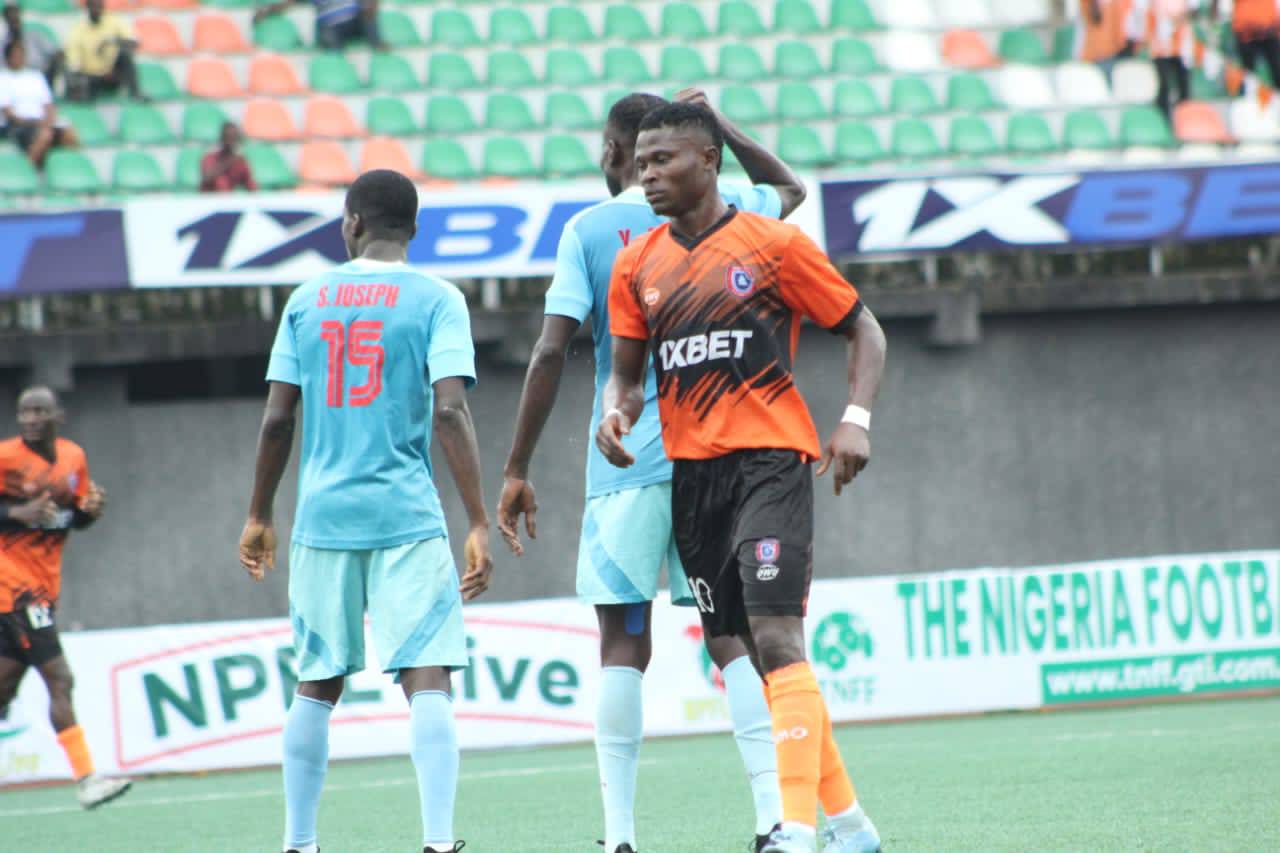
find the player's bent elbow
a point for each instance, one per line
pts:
(452, 415)
(278, 425)
(792, 196)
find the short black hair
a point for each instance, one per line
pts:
(10, 46)
(687, 115)
(625, 115)
(386, 202)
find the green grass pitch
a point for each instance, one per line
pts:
(1186, 776)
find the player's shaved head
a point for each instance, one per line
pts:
(625, 115)
(39, 413)
(381, 205)
(620, 130)
(39, 394)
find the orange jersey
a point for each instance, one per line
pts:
(31, 559)
(724, 316)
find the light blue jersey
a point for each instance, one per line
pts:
(580, 289)
(365, 342)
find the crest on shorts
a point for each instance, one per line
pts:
(740, 282)
(767, 550)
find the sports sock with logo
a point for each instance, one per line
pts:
(619, 730)
(435, 758)
(753, 730)
(835, 789)
(73, 743)
(796, 705)
(306, 758)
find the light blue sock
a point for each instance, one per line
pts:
(306, 757)
(753, 730)
(619, 730)
(435, 757)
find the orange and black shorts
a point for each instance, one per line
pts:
(29, 634)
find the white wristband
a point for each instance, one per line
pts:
(857, 416)
(612, 412)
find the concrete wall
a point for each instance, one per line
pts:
(1061, 437)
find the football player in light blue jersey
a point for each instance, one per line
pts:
(377, 352)
(626, 529)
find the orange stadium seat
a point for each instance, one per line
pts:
(329, 116)
(383, 152)
(158, 36)
(270, 74)
(967, 49)
(172, 5)
(267, 119)
(217, 32)
(121, 5)
(324, 161)
(210, 77)
(1197, 121)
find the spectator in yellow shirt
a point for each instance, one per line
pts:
(100, 56)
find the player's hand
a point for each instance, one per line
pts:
(849, 449)
(40, 511)
(479, 563)
(258, 548)
(517, 497)
(613, 427)
(692, 95)
(95, 501)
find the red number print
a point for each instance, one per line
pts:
(361, 346)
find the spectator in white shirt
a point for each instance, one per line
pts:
(26, 103)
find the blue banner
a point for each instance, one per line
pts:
(60, 252)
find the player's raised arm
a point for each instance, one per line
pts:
(457, 433)
(275, 441)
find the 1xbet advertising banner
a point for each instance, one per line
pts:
(1049, 209)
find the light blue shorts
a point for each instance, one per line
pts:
(410, 592)
(626, 538)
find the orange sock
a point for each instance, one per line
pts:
(73, 744)
(796, 706)
(835, 789)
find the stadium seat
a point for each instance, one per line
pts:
(453, 28)
(568, 69)
(446, 159)
(971, 136)
(203, 122)
(329, 117)
(853, 15)
(913, 139)
(509, 69)
(625, 65)
(970, 93)
(740, 62)
(800, 102)
(1145, 127)
(967, 49)
(208, 77)
(1029, 134)
(1134, 81)
(270, 74)
(390, 117)
(449, 114)
(853, 56)
(277, 33)
(1196, 121)
(1017, 13)
(17, 175)
(743, 104)
(801, 146)
(906, 14)
(912, 96)
(1025, 87)
(1205, 88)
(568, 111)
(569, 24)
(683, 22)
(397, 29)
(267, 118)
(626, 24)
(231, 4)
(1064, 43)
(566, 156)
(1251, 123)
(137, 172)
(69, 171)
(89, 125)
(905, 50)
(157, 36)
(505, 157)
(738, 18)
(217, 32)
(1081, 84)
(855, 99)
(857, 142)
(795, 16)
(49, 7)
(1084, 130)
(1199, 152)
(381, 152)
(796, 60)
(143, 124)
(325, 162)
(1022, 46)
(508, 113)
(389, 72)
(186, 177)
(974, 14)
(450, 72)
(682, 64)
(510, 26)
(1257, 151)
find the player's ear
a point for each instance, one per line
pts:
(612, 155)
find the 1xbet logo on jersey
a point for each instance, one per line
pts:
(740, 282)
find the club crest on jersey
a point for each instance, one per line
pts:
(767, 551)
(651, 296)
(740, 282)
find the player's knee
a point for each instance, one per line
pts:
(725, 650)
(59, 682)
(327, 690)
(625, 650)
(777, 645)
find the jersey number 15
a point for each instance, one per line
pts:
(359, 344)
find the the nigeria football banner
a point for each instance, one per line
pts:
(207, 696)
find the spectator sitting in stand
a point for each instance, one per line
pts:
(100, 56)
(43, 53)
(26, 104)
(338, 22)
(224, 168)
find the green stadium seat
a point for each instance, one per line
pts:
(569, 111)
(50, 7)
(853, 56)
(157, 83)
(853, 15)
(912, 96)
(450, 71)
(743, 104)
(17, 175)
(187, 171)
(137, 172)
(445, 158)
(509, 69)
(1022, 46)
(1203, 88)
(800, 102)
(857, 142)
(970, 93)
(277, 34)
(332, 74)
(70, 171)
(231, 4)
(801, 146)
(683, 22)
(739, 18)
(448, 114)
(566, 156)
(682, 64)
(389, 72)
(797, 60)
(568, 68)
(508, 113)
(1085, 130)
(505, 157)
(795, 16)
(397, 29)
(626, 23)
(203, 122)
(512, 27)
(855, 99)
(971, 136)
(453, 28)
(270, 171)
(1064, 43)
(143, 124)
(1029, 134)
(1145, 126)
(741, 62)
(625, 65)
(88, 123)
(913, 139)
(391, 117)
(569, 24)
